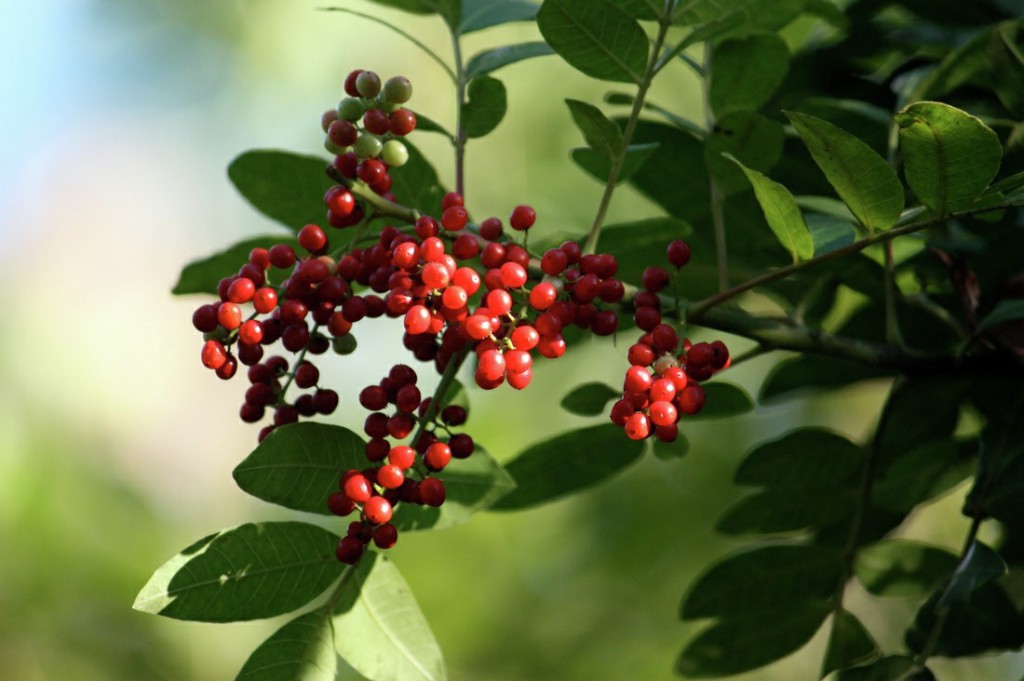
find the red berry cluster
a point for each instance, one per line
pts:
(660, 386)
(399, 473)
(368, 151)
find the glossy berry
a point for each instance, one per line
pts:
(214, 355)
(385, 536)
(377, 510)
(349, 550)
(432, 492)
(522, 218)
(678, 252)
(358, 488)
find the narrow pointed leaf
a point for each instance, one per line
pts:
(862, 178)
(246, 573)
(568, 463)
(203, 275)
(298, 466)
(739, 644)
(829, 233)
(979, 566)
(849, 643)
(302, 650)
(949, 156)
(595, 37)
(286, 187)
(495, 58)
(589, 399)
(750, 137)
(486, 106)
(379, 629)
(480, 14)
(746, 72)
(472, 485)
(764, 580)
(601, 134)
(902, 569)
(782, 214)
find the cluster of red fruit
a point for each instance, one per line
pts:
(366, 152)
(399, 473)
(460, 288)
(660, 386)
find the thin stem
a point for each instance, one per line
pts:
(378, 202)
(460, 131)
(407, 36)
(716, 197)
(698, 309)
(634, 116)
(892, 326)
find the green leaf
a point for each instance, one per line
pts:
(723, 400)
(668, 176)
(978, 566)
(905, 426)
(379, 629)
(486, 106)
(885, 669)
(245, 573)
(923, 473)
(589, 399)
(781, 212)
(599, 166)
(797, 376)
(298, 466)
(786, 511)
(480, 14)
(862, 178)
(738, 644)
(903, 569)
(472, 485)
(829, 233)
(756, 15)
(763, 581)
(988, 621)
(567, 464)
(601, 134)
(750, 137)
(302, 650)
(746, 72)
(826, 206)
(285, 187)
(637, 244)
(595, 37)
(495, 58)
(803, 459)
(203, 275)
(1007, 310)
(949, 156)
(416, 184)
(849, 643)
(1008, 67)
(424, 124)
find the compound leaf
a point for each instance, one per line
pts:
(902, 568)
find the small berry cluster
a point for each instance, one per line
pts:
(399, 472)
(366, 152)
(659, 386)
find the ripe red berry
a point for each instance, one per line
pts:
(402, 456)
(437, 455)
(358, 488)
(454, 218)
(522, 218)
(432, 492)
(678, 252)
(513, 275)
(402, 122)
(663, 413)
(638, 426)
(229, 315)
(378, 510)
(691, 399)
(638, 379)
(312, 238)
(654, 278)
(214, 355)
(339, 504)
(390, 476)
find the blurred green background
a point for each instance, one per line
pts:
(116, 447)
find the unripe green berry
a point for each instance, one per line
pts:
(345, 345)
(351, 109)
(394, 153)
(367, 146)
(398, 90)
(368, 84)
(333, 148)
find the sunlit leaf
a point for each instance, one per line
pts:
(596, 37)
(782, 214)
(298, 466)
(246, 573)
(302, 650)
(568, 463)
(862, 178)
(480, 14)
(949, 155)
(379, 629)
